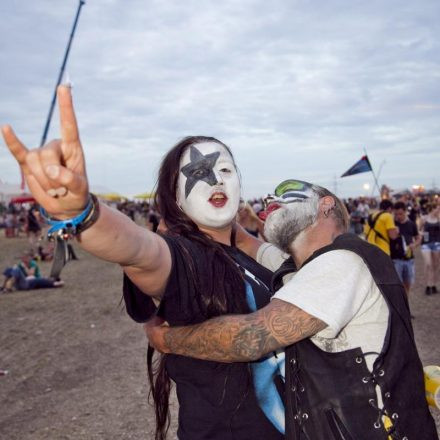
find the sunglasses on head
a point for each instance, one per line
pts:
(293, 186)
(289, 191)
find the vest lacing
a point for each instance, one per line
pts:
(297, 387)
(393, 433)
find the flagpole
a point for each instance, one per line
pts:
(60, 76)
(380, 170)
(374, 175)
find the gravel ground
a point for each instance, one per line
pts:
(77, 364)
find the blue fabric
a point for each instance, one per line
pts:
(24, 283)
(264, 373)
(405, 270)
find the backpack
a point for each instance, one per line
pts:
(372, 223)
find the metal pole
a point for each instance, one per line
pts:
(374, 175)
(378, 175)
(60, 76)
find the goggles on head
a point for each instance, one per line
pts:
(290, 191)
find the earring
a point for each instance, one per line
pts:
(327, 213)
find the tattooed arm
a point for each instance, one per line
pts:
(237, 338)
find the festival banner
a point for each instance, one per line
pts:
(361, 166)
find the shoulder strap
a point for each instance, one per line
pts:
(372, 224)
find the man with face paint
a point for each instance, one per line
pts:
(192, 270)
(352, 367)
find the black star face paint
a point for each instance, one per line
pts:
(200, 168)
(208, 189)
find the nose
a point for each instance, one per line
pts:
(219, 178)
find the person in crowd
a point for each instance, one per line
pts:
(33, 227)
(403, 247)
(247, 218)
(46, 252)
(352, 367)
(363, 208)
(26, 275)
(356, 219)
(430, 226)
(10, 224)
(153, 219)
(192, 270)
(380, 228)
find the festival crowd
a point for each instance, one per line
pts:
(297, 330)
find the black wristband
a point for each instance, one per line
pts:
(91, 218)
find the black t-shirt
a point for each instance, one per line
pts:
(399, 250)
(217, 401)
(33, 225)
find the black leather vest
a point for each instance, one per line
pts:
(331, 396)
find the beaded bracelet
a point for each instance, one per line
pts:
(73, 226)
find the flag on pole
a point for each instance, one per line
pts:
(361, 166)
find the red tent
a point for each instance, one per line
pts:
(23, 199)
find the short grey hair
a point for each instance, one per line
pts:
(339, 213)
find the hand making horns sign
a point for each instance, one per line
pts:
(56, 172)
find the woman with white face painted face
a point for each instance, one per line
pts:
(208, 187)
(192, 269)
(198, 196)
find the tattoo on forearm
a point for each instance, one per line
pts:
(239, 338)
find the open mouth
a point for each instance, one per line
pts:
(218, 199)
(270, 208)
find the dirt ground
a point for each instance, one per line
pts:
(77, 363)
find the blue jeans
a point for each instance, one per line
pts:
(405, 270)
(23, 283)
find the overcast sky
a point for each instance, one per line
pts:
(296, 88)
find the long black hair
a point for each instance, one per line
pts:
(213, 298)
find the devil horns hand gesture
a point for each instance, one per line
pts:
(56, 172)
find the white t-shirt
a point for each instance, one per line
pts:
(272, 258)
(337, 288)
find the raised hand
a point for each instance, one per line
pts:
(55, 173)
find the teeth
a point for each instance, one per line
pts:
(218, 196)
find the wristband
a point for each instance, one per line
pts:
(76, 225)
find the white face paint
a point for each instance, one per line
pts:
(284, 225)
(208, 188)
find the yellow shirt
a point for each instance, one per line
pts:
(384, 222)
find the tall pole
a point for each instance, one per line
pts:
(378, 174)
(374, 175)
(60, 76)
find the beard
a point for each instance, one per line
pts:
(283, 226)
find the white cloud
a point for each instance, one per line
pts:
(297, 88)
